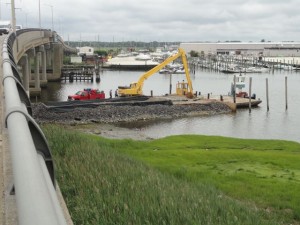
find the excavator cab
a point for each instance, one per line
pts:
(182, 88)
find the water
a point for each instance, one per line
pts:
(277, 123)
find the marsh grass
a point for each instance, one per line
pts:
(176, 180)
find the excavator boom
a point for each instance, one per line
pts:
(136, 88)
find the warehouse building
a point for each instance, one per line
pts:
(267, 49)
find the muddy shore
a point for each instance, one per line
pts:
(103, 120)
(127, 113)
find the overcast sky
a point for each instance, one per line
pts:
(163, 20)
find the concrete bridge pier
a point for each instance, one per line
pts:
(48, 55)
(31, 54)
(43, 56)
(43, 81)
(57, 61)
(36, 91)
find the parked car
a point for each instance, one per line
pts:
(5, 27)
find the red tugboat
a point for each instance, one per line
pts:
(87, 94)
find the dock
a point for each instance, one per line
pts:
(228, 100)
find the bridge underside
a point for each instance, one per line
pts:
(39, 58)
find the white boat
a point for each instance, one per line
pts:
(179, 71)
(282, 67)
(173, 70)
(255, 70)
(231, 69)
(240, 83)
(165, 71)
(143, 57)
(124, 55)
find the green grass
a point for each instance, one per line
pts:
(177, 180)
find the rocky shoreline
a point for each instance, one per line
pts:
(126, 113)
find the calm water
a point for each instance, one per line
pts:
(278, 123)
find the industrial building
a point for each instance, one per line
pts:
(267, 49)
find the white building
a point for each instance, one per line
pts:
(269, 49)
(76, 59)
(85, 50)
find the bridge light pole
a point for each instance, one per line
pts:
(26, 15)
(13, 16)
(40, 24)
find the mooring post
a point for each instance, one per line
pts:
(250, 87)
(286, 92)
(151, 93)
(267, 93)
(170, 92)
(234, 89)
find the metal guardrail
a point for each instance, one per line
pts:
(34, 181)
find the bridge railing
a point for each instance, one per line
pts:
(30, 38)
(33, 170)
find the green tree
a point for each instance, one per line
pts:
(194, 54)
(101, 52)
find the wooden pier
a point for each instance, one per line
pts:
(80, 73)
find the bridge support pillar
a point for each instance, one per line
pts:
(48, 55)
(37, 88)
(31, 54)
(43, 81)
(25, 72)
(57, 60)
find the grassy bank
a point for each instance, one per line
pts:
(176, 180)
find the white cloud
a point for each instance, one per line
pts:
(167, 20)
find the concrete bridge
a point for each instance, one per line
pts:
(40, 51)
(29, 193)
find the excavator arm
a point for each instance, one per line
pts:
(136, 88)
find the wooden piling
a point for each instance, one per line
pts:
(250, 87)
(286, 92)
(234, 89)
(267, 93)
(170, 91)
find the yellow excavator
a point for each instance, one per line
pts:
(182, 88)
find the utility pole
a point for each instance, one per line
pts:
(40, 23)
(51, 15)
(13, 16)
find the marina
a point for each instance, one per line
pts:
(240, 64)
